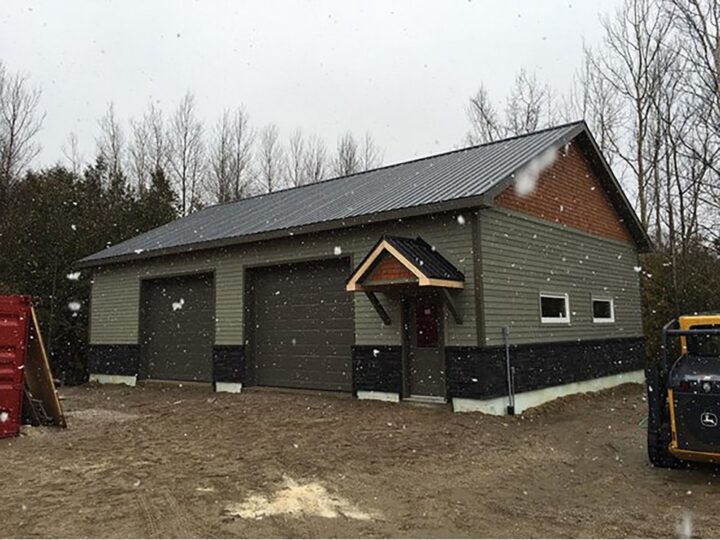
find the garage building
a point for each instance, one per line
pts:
(439, 279)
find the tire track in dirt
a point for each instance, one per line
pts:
(150, 529)
(181, 524)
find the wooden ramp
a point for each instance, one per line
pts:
(38, 377)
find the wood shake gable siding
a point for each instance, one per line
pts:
(116, 288)
(569, 193)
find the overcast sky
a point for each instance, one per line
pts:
(400, 70)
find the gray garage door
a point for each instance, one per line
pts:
(303, 321)
(177, 328)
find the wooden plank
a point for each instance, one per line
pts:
(450, 302)
(379, 308)
(38, 375)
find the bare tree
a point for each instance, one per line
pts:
(158, 139)
(242, 143)
(141, 166)
(371, 155)
(20, 122)
(347, 156)
(634, 40)
(71, 152)
(294, 164)
(593, 98)
(698, 22)
(187, 155)
(314, 160)
(529, 107)
(485, 122)
(230, 156)
(111, 142)
(149, 146)
(270, 160)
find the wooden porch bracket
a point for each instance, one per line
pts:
(378, 307)
(452, 307)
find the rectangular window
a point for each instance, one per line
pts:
(554, 308)
(603, 310)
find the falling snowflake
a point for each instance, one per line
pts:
(138, 251)
(4, 416)
(73, 276)
(73, 227)
(337, 250)
(637, 268)
(461, 219)
(178, 305)
(526, 180)
(375, 352)
(74, 306)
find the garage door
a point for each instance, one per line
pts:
(303, 322)
(177, 328)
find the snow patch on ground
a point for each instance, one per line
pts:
(296, 499)
(685, 526)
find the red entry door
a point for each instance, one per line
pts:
(426, 363)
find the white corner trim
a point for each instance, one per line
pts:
(527, 400)
(230, 387)
(129, 380)
(378, 396)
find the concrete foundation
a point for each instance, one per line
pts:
(378, 396)
(526, 400)
(229, 387)
(129, 380)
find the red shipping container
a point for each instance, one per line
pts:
(14, 334)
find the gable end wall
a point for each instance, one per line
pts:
(569, 193)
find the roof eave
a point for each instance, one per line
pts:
(367, 219)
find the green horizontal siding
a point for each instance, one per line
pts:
(523, 256)
(116, 288)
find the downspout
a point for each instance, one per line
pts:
(510, 372)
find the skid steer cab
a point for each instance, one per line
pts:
(684, 395)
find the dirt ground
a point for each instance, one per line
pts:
(172, 461)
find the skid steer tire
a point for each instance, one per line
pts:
(658, 451)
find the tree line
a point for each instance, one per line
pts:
(650, 93)
(226, 161)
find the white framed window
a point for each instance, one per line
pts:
(554, 308)
(603, 310)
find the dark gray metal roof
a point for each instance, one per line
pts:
(425, 258)
(444, 181)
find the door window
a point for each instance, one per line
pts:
(427, 324)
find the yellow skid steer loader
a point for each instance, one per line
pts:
(684, 396)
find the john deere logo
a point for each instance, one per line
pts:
(709, 419)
